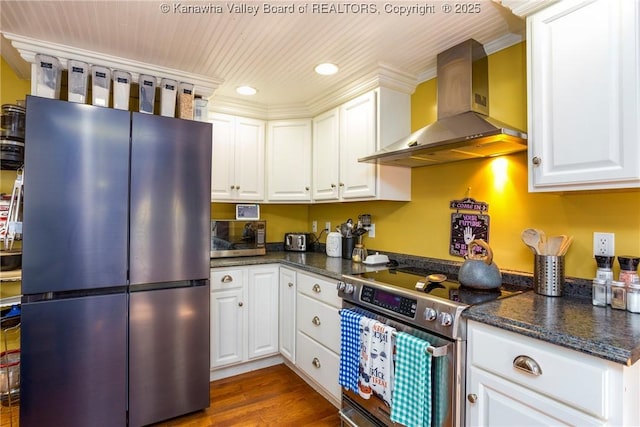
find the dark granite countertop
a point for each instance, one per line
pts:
(570, 321)
(313, 262)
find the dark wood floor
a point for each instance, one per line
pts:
(273, 396)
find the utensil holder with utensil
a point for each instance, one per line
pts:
(548, 275)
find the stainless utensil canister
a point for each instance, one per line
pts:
(548, 275)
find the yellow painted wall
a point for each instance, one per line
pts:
(422, 227)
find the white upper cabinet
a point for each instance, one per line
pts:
(237, 171)
(289, 160)
(583, 68)
(326, 155)
(358, 139)
(356, 129)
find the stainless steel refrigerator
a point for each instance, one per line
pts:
(115, 307)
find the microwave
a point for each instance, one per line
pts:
(232, 238)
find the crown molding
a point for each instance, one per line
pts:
(524, 8)
(383, 76)
(28, 48)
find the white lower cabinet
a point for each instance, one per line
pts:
(516, 380)
(318, 331)
(244, 314)
(287, 325)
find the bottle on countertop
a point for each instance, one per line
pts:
(628, 268)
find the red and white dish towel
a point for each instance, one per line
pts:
(377, 343)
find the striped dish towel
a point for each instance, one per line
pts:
(412, 389)
(349, 349)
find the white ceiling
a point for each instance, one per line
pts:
(276, 53)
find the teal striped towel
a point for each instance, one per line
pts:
(411, 404)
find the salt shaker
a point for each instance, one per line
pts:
(633, 297)
(599, 292)
(618, 295)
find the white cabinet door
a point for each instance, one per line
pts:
(326, 156)
(237, 167)
(288, 313)
(493, 401)
(583, 64)
(289, 160)
(222, 156)
(358, 139)
(263, 311)
(249, 159)
(228, 327)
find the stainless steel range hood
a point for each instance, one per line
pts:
(463, 130)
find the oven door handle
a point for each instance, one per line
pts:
(438, 351)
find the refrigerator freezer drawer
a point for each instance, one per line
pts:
(168, 353)
(74, 372)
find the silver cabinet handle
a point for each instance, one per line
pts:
(315, 362)
(316, 288)
(527, 364)
(226, 279)
(472, 397)
(316, 320)
(290, 285)
(536, 160)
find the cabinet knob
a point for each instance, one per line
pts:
(316, 288)
(472, 397)
(290, 285)
(315, 362)
(536, 160)
(226, 279)
(316, 320)
(528, 365)
(306, 188)
(341, 184)
(333, 186)
(233, 187)
(237, 187)
(240, 304)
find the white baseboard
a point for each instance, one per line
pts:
(230, 371)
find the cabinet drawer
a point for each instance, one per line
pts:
(221, 279)
(319, 288)
(319, 363)
(320, 321)
(494, 350)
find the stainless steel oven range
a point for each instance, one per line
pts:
(428, 306)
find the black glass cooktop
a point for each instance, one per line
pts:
(437, 284)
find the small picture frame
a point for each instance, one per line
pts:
(248, 211)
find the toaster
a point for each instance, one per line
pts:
(297, 242)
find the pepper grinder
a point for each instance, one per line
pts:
(628, 268)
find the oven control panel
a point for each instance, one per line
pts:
(390, 301)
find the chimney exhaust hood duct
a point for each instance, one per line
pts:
(463, 130)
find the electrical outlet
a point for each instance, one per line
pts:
(327, 226)
(604, 244)
(314, 226)
(372, 230)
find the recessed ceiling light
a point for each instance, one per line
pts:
(246, 90)
(326, 69)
